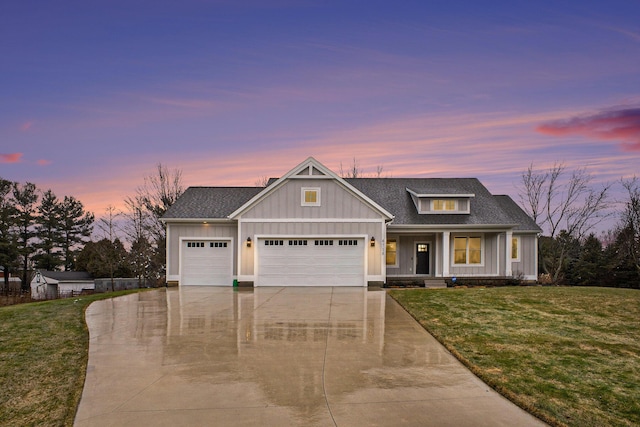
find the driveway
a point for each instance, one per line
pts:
(198, 356)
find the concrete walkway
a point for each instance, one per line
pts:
(275, 357)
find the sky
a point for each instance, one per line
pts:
(93, 95)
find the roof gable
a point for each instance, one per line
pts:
(309, 169)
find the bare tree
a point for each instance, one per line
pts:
(630, 224)
(353, 172)
(561, 203)
(262, 181)
(158, 193)
(108, 225)
(568, 207)
(531, 193)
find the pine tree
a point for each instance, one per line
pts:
(25, 197)
(75, 228)
(48, 233)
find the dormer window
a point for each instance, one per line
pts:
(444, 205)
(310, 196)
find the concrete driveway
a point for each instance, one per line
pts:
(275, 357)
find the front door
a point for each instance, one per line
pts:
(422, 258)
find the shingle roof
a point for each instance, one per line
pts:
(524, 221)
(210, 202)
(392, 194)
(389, 193)
(66, 275)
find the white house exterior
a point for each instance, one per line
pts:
(313, 228)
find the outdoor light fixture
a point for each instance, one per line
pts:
(373, 241)
(248, 242)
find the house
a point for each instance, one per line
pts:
(314, 228)
(55, 284)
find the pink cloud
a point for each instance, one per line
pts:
(10, 158)
(621, 125)
(43, 162)
(26, 126)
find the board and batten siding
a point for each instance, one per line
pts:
(335, 202)
(528, 261)
(291, 230)
(178, 232)
(490, 256)
(406, 245)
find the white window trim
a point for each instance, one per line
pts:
(397, 264)
(302, 198)
(467, 264)
(519, 249)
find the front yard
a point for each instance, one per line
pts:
(571, 356)
(43, 359)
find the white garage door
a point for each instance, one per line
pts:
(206, 262)
(310, 262)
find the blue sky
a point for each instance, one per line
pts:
(94, 94)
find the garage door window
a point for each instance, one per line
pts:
(195, 244)
(218, 244)
(274, 242)
(324, 242)
(297, 243)
(347, 243)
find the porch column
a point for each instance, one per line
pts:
(507, 262)
(446, 235)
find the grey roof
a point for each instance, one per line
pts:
(525, 222)
(210, 202)
(389, 193)
(392, 194)
(64, 276)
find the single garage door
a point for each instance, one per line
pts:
(310, 262)
(206, 262)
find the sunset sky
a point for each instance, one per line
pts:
(94, 94)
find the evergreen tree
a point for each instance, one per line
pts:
(75, 228)
(8, 238)
(48, 233)
(25, 197)
(588, 268)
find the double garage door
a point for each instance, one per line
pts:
(310, 262)
(280, 262)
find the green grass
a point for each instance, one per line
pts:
(43, 360)
(571, 356)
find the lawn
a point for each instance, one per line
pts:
(571, 356)
(43, 359)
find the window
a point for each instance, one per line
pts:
(310, 196)
(443, 205)
(218, 244)
(391, 249)
(297, 243)
(324, 242)
(515, 249)
(195, 244)
(347, 243)
(274, 242)
(467, 250)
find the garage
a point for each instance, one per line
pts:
(206, 262)
(311, 262)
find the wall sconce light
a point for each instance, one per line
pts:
(373, 241)
(248, 242)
